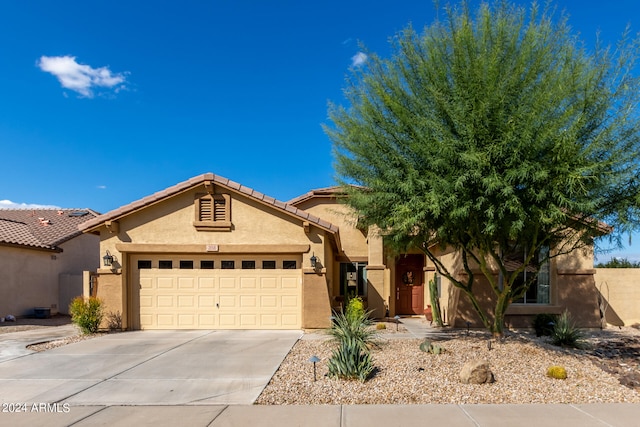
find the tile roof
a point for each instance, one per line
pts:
(198, 180)
(41, 228)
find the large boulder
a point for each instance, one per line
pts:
(476, 372)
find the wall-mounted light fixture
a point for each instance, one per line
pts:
(107, 259)
(314, 260)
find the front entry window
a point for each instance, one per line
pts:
(539, 290)
(353, 279)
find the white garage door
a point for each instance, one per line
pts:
(218, 293)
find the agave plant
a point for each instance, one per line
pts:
(353, 328)
(354, 335)
(349, 361)
(565, 333)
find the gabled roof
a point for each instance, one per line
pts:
(288, 208)
(327, 192)
(41, 228)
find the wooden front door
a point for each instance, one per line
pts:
(409, 284)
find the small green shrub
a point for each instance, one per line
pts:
(557, 372)
(543, 323)
(87, 314)
(350, 362)
(352, 359)
(565, 333)
(381, 326)
(353, 329)
(355, 308)
(429, 347)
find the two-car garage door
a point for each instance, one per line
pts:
(182, 292)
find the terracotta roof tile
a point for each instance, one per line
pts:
(41, 228)
(219, 180)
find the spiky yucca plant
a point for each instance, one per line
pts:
(565, 333)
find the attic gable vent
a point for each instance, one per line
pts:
(213, 212)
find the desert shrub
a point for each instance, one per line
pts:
(557, 372)
(353, 328)
(114, 321)
(352, 359)
(86, 313)
(544, 323)
(349, 361)
(381, 326)
(355, 308)
(565, 333)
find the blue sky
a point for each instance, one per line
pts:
(107, 102)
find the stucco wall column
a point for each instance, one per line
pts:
(316, 306)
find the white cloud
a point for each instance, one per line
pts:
(79, 77)
(8, 204)
(101, 187)
(358, 59)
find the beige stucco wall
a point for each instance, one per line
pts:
(619, 289)
(32, 278)
(573, 288)
(358, 246)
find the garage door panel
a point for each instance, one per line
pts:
(227, 301)
(186, 283)
(186, 320)
(248, 283)
(268, 283)
(165, 283)
(290, 282)
(216, 298)
(290, 320)
(206, 283)
(289, 301)
(248, 320)
(228, 283)
(186, 301)
(206, 301)
(268, 301)
(165, 301)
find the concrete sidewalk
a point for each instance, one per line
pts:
(596, 415)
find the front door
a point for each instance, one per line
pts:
(409, 284)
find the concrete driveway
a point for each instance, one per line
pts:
(150, 368)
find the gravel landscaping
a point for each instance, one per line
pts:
(406, 375)
(607, 371)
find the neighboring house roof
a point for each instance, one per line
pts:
(199, 180)
(334, 191)
(41, 228)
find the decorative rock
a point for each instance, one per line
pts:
(476, 372)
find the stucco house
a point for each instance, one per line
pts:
(42, 258)
(211, 253)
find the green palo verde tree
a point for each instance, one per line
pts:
(494, 132)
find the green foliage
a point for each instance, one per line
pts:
(565, 333)
(350, 362)
(435, 303)
(87, 314)
(354, 329)
(492, 132)
(355, 308)
(557, 372)
(352, 359)
(619, 263)
(429, 347)
(544, 323)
